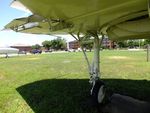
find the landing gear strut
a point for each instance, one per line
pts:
(94, 67)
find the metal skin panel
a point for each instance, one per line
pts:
(139, 29)
(8, 50)
(15, 23)
(83, 16)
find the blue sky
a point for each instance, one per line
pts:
(8, 37)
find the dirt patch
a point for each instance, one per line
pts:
(66, 61)
(1, 76)
(32, 59)
(119, 57)
(129, 66)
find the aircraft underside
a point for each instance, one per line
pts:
(119, 19)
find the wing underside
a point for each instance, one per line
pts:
(119, 19)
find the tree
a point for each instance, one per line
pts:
(131, 44)
(36, 46)
(88, 44)
(135, 43)
(147, 41)
(47, 44)
(122, 44)
(58, 44)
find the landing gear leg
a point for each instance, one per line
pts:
(94, 67)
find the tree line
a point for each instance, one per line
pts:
(55, 44)
(142, 43)
(61, 44)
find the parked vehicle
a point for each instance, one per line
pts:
(47, 51)
(22, 52)
(36, 51)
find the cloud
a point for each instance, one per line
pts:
(25, 14)
(8, 38)
(67, 37)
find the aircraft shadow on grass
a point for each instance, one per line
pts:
(70, 95)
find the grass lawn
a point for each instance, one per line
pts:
(58, 83)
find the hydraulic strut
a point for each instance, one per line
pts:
(94, 67)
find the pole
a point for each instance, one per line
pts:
(148, 52)
(96, 59)
(96, 56)
(86, 58)
(139, 44)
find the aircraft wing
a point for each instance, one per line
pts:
(22, 25)
(35, 24)
(15, 23)
(119, 19)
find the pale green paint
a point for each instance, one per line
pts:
(92, 15)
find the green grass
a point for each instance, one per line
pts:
(58, 83)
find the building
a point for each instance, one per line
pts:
(73, 45)
(22, 47)
(108, 43)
